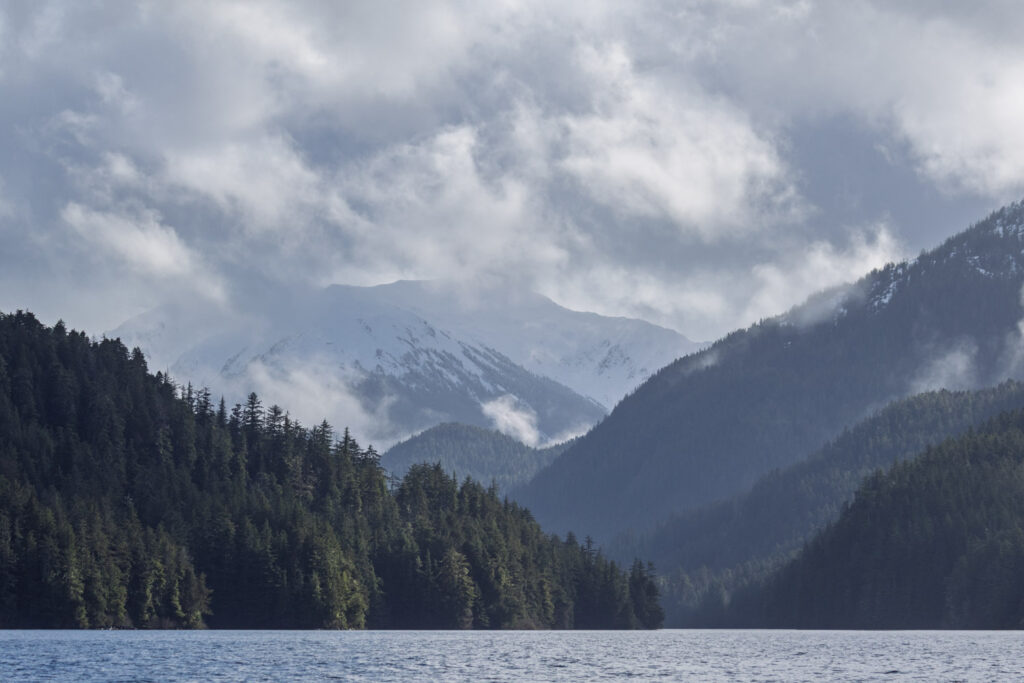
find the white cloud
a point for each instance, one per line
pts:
(111, 89)
(678, 154)
(312, 391)
(947, 81)
(346, 49)
(263, 180)
(819, 266)
(953, 369)
(428, 211)
(510, 416)
(144, 245)
(719, 298)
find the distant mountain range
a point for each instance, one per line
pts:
(396, 359)
(707, 426)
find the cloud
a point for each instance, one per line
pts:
(313, 391)
(948, 82)
(710, 297)
(820, 266)
(953, 369)
(650, 160)
(427, 210)
(144, 245)
(265, 182)
(512, 417)
(683, 155)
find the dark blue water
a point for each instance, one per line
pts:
(514, 655)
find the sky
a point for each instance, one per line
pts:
(700, 164)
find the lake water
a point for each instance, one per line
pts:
(516, 655)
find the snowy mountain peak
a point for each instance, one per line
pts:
(600, 357)
(394, 359)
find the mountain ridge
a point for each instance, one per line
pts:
(706, 426)
(934, 542)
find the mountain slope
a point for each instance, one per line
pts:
(707, 426)
(786, 507)
(934, 543)
(484, 455)
(710, 553)
(401, 358)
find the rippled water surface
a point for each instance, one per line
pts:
(516, 655)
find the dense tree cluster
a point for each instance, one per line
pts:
(126, 501)
(485, 455)
(934, 542)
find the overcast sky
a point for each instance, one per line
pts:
(698, 164)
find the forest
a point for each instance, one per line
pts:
(935, 542)
(127, 501)
(714, 552)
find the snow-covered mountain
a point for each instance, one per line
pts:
(395, 359)
(600, 357)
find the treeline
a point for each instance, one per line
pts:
(126, 501)
(936, 542)
(717, 550)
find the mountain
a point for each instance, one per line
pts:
(935, 542)
(707, 426)
(786, 507)
(600, 357)
(713, 551)
(126, 501)
(401, 358)
(484, 455)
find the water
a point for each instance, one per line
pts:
(510, 655)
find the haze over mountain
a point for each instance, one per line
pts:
(708, 425)
(400, 358)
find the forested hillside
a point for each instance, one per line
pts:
(484, 455)
(936, 542)
(126, 501)
(706, 427)
(714, 551)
